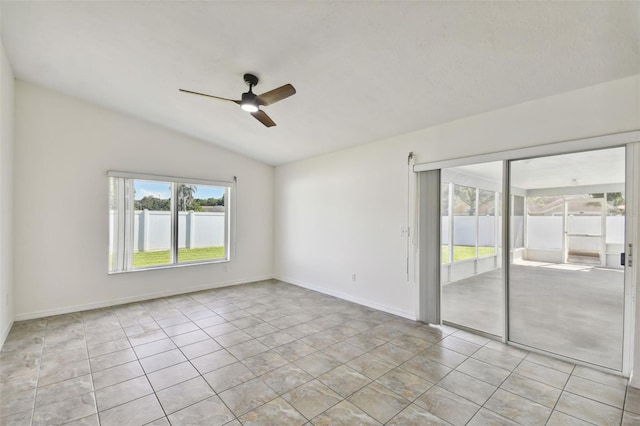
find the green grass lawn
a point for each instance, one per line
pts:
(162, 257)
(465, 252)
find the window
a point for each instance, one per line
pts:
(487, 226)
(473, 231)
(464, 222)
(157, 221)
(445, 219)
(517, 222)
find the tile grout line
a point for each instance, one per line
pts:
(93, 389)
(201, 374)
(35, 396)
(143, 370)
(399, 366)
(134, 349)
(237, 360)
(188, 360)
(497, 387)
(342, 339)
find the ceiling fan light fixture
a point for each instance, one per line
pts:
(249, 107)
(248, 102)
(251, 102)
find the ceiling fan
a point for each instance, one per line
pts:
(251, 102)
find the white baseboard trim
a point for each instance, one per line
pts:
(368, 303)
(5, 334)
(137, 298)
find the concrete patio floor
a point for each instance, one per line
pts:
(570, 310)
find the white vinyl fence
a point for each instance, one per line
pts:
(543, 232)
(544, 240)
(152, 230)
(464, 230)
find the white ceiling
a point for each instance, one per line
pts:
(363, 70)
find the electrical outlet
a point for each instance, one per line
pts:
(353, 277)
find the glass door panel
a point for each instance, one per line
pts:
(471, 269)
(585, 236)
(566, 294)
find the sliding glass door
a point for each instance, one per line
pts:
(559, 285)
(471, 240)
(566, 282)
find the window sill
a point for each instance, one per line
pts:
(178, 265)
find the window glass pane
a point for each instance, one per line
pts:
(202, 223)
(471, 286)
(464, 211)
(615, 203)
(566, 288)
(116, 214)
(151, 242)
(550, 205)
(615, 226)
(486, 223)
(517, 222)
(444, 221)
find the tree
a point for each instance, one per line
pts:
(185, 197)
(211, 201)
(615, 202)
(467, 195)
(152, 203)
(195, 206)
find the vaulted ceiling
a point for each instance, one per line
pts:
(363, 70)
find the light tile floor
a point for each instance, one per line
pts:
(276, 354)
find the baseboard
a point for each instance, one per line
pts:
(137, 298)
(5, 334)
(142, 297)
(634, 382)
(368, 303)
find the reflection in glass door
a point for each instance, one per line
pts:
(471, 267)
(566, 285)
(585, 230)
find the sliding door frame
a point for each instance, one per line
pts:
(629, 140)
(632, 239)
(506, 244)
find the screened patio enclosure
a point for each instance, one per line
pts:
(566, 234)
(568, 226)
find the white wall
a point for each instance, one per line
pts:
(341, 214)
(360, 194)
(63, 150)
(6, 194)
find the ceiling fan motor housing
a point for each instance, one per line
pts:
(248, 98)
(248, 102)
(251, 80)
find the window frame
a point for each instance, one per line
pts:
(123, 234)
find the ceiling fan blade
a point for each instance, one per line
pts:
(210, 96)
(275, 95)
(262, 117)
